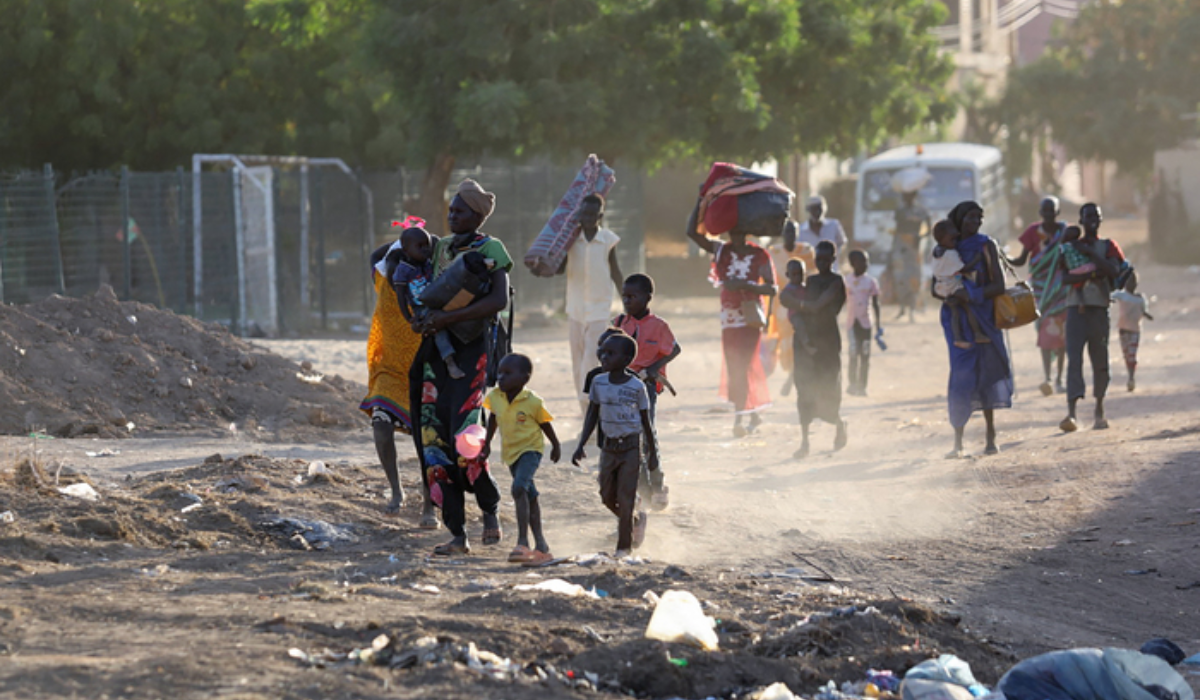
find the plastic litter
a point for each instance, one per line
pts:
(927, 689)
(775, 691)
(7, 517)
(1164, 649)
(1094, 674)
(678, 617)
(559, 586)
(315, 534)
(81, 490)
(1193, 660)
(947, 668)
(106, 452)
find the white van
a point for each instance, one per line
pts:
(960, 171)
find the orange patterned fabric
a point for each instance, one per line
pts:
(391, 347)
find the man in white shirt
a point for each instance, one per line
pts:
(818, 228)
(592, 272)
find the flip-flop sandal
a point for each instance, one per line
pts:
(449, 549)
(538, 558)
(492, 535)
(520, 555)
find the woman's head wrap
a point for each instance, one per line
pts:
(480, 200)
(1057, 204)
(959, 213)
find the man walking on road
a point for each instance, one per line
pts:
(592, 274)
(1087, 315)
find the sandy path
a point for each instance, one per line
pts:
(1030, 544)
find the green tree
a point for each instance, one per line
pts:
(99, 83)
(645, 80)
(1117, 86)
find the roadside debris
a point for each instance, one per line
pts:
(678, 617)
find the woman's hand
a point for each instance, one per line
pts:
(434, 321)
(962, 295)
(736, 285)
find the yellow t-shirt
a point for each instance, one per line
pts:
(519, 423)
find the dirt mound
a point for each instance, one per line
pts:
(94, 366)
(234, 504)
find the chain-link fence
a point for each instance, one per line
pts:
(272, 249)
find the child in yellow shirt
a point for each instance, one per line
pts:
(522, 420)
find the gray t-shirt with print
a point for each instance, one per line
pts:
(621, 405)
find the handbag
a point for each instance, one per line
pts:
(752, 311)
(1017, 305)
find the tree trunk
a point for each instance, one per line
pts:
(431, 205)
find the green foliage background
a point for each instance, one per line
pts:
(146, 83)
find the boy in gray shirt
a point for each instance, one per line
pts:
(620, 404)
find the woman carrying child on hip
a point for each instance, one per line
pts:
(949, 270)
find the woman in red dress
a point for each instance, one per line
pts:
(744, 272)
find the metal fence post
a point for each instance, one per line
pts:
(60, 278)
(319, 211)
(366, 226)
(181, 229)
(126, 236)
(3, 239)
(305, 298)
(239, 305)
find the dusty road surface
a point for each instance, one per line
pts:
(210, 555)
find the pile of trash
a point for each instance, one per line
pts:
(681, 655)
(433, 652)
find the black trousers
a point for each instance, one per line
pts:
(1087, 329)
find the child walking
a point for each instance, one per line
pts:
(948, 271)
(1131, 309)
(862, 291)
(656, 346)
(413, 273)
(522, 419)
(619, 402)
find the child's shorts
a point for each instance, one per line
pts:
(522, 473)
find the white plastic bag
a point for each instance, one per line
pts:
(679, 618)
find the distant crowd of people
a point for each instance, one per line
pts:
(442, 370)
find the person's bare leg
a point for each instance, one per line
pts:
(956, 313)
(1069, 424)
(1047, 388)
(980, 336)
(989, 416)
(535, 526)
(840, 440)
(1101, 423)
(957, 452)
(803, 451)
(524, 508)
(1062, 358)
(385, 449)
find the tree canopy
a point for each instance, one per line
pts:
(1119, 84)
(425, 82)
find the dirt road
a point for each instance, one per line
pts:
(1061, 540)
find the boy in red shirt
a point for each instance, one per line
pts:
(656, 346)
